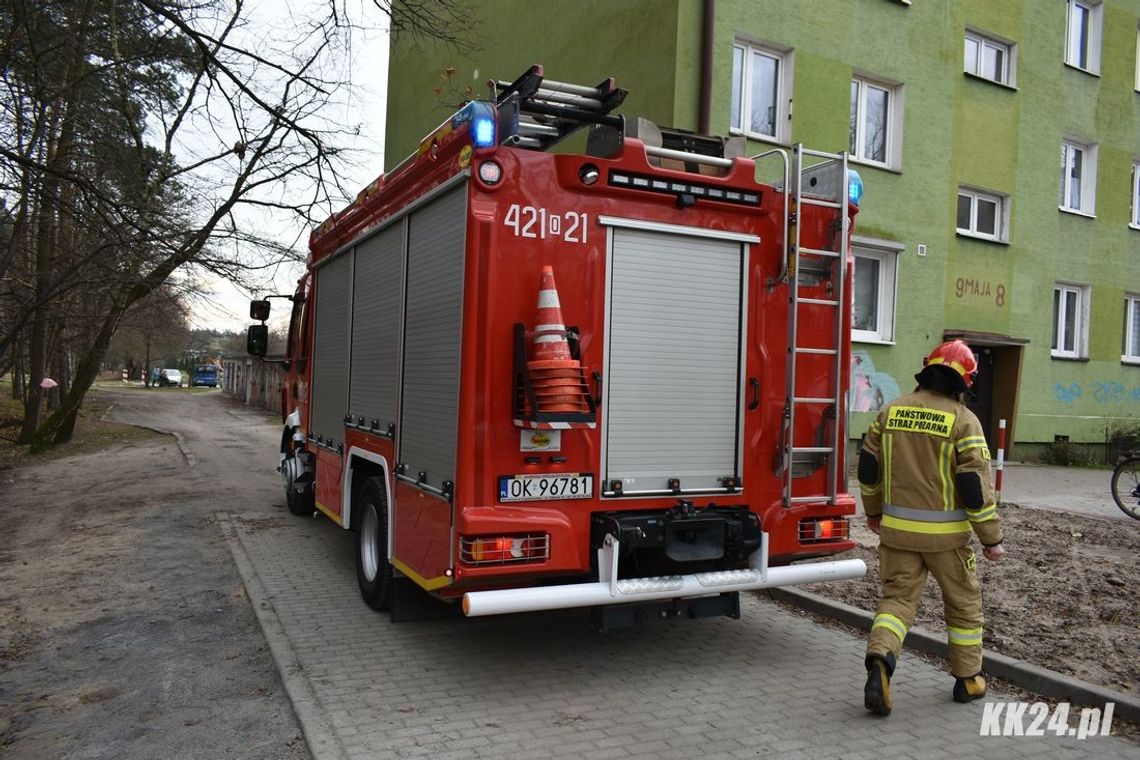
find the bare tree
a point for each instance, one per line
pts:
(152, 329)
(134, 137)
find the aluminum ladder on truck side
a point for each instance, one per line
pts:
(821, 184)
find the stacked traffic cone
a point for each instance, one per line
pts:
(557, 377)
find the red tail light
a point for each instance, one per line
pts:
(817, 530)
(500, 550)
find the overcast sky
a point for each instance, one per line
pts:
(367, 68)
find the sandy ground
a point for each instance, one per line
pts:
(124, 626)
(1066, 596)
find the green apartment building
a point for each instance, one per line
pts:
(999, 145)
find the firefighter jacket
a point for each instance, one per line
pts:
(931, 452)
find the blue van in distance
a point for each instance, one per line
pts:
(205, 374)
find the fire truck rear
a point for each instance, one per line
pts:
(612, 379)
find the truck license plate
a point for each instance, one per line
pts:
(545, 487)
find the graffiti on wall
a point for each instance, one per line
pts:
(870, 389)
(1108, 392)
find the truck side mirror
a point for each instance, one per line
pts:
(257, 340)
(259, 310)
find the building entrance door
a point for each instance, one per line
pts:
(993, 396)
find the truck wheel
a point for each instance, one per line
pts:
(373, 570)
(298, 503)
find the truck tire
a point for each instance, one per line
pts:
(299, 503)
(373, 570)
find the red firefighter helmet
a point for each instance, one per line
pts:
(956, 355)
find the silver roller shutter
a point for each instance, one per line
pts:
(376, 326)
(434, 301)
(330, 349)
(673, 361)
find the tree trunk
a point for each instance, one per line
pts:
(37, 360)
(60, 131)
(60, 425)
(18, 369)
(146, 360)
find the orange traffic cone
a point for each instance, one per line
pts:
(549, 330)
(557, 378)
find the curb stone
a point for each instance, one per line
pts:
(322, 741)
(1034, 678)
(187, 454)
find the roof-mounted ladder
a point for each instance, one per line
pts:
(537, 113)
(823, 184)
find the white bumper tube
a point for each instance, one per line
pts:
(616, 591)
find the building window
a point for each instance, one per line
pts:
(876, 122)
(982, 214)
(1078, 177)
(873, 308)
(1082, 35)
(990, 58)
(1070, 320)
(1131, 352)
(761, 84)
(1136, 195)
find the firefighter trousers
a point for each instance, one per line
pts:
(904, 575)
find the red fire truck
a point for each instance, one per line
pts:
(614, 378)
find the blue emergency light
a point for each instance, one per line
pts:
(482, 124)
(854, 186)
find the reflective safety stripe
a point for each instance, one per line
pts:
(964, 637)
(888, 445)
(891, 623)
(925, 515)
(914, 526)
(875, 426)
(971, 442)
(929, 521)
(957, 366)
(983, 514)
(945, 474)
(867, 490)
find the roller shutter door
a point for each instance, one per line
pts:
(673, 367)
(330, 349)
(376, 326)
(433, 317)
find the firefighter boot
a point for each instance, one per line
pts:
(877, 692)
(968, 689)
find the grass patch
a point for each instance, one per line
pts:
(91, 433)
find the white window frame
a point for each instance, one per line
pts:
(1135, 223)
(782, 125)
(1131, 306)
(887, 254)
(1095, 10)
(1087, 205)
(1008, 76)
(1137, 85)
(1081, 329)
(894, 122)
(1001, 214)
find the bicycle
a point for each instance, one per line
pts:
(1126, 484)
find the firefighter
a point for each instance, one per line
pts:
(924, 475)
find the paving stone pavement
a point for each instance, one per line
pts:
(545, 685)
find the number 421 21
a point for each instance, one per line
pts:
(531, 222)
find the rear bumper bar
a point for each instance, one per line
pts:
(612, 590)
